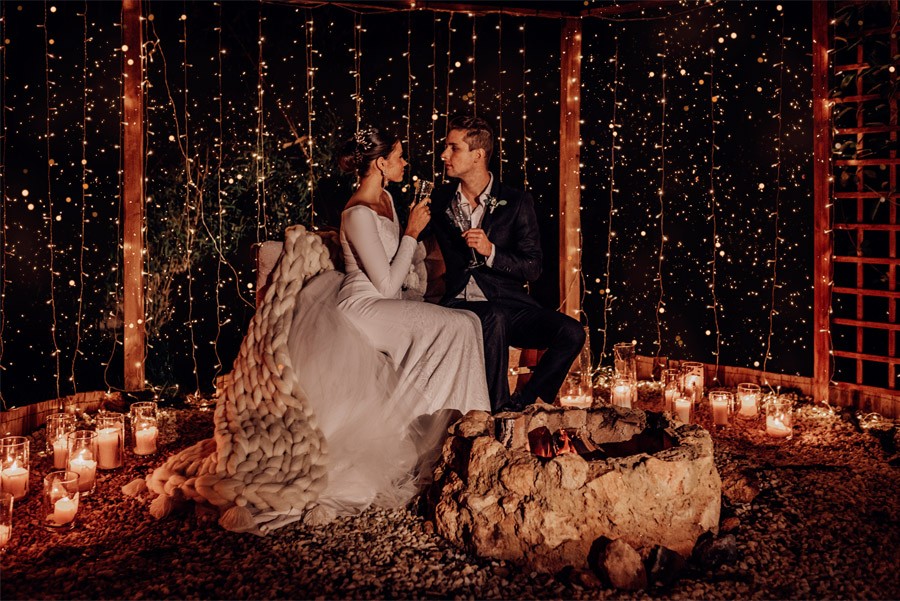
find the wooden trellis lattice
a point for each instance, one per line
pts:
(856, 168)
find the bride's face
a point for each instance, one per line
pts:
(393, 165)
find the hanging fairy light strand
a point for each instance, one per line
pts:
(434, 110)
(218, 240)
(84, 196)
(474, 100)
(50, 218)
(449, 71)
(524, 109)
(713, 215)
(190, 189)
(610, 235)
(777, 243)
(500, 95)
(357, 66)
(409, 87)
(3, 196)
(262, 222)
(310, 115)
(660, 303)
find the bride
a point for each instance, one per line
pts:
(384, 391)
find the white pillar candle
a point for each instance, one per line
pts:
(778, 427)
(108, 441)
(145, 440)
(14, 480)
(60, 453)
(86, 468)
(64, 510)
(683, 409)
(5, 532)
(621, 395)
(719, 411)
(748, 404)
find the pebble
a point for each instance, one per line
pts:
(812, 532)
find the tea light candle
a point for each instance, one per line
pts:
(60, 453)
(719, 411)
(580, 401)
(86, 468)
(5, 532)
(683, 409)
(108, 442)
(14, 480)
(145, 440)
(748, 404)
(63, 511)
(778, 427)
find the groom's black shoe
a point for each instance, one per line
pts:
(515, 403)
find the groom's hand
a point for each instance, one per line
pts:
(477, 239)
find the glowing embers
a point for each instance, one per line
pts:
(548, 445)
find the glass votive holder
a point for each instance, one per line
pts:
(779, 418)
(692, 380)
(721, 405)
(110, 440)
(82, 460)
(144, 428)
(61, 496)
(6, 510)
(575, 393)
(622, 391)
(58, 427)
(748, 398)
(15, 453)
(671, 382)
(683, 408)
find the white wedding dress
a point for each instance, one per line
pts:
(384, 376)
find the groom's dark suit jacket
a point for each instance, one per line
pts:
(512, 228)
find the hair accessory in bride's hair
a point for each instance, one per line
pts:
(363, 138)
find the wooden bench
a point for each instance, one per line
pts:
(266, 255)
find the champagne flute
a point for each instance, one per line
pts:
(463, 221)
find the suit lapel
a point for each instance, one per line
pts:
(489, 215)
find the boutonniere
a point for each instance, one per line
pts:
(492, 202)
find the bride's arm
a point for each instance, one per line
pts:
(362, 234)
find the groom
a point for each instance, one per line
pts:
(505, 239)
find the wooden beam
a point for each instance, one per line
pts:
(133, 194)
(569, 171)
(822, 250)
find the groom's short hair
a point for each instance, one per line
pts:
(478, 133)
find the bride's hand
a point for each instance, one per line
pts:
(419, 216)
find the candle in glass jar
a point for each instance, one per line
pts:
(683, 409)
(86, 468)
(669, 395)
(748, 404)
(108, 453)
(5, 532)
(719, 411)
(145, 440)
(60, 453)
(778, 427)
(580, 401)
(14, 480)
(64, 510)
(621, 395)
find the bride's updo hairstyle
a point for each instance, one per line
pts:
(365, 146)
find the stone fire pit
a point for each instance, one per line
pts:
(496, 498)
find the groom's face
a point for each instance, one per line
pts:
(458, 159)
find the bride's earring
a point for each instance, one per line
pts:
(383, 179)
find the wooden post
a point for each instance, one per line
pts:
(133, 193)
(569, 170)
(822, 179)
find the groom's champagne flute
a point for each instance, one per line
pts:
(464, 223)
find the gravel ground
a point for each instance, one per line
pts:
(825, 525)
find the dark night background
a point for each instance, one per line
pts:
(710, 105)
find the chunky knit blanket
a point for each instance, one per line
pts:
(266, 464)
